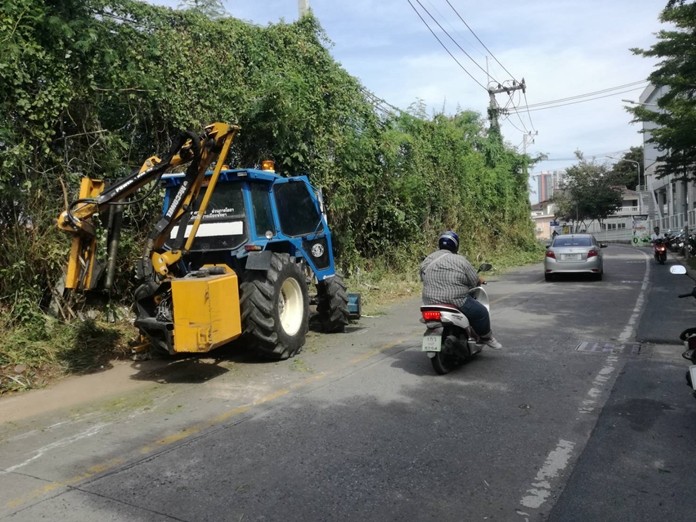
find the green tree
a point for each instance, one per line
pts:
(626, 171)
(588, 193)
(211, 8)
(675, 117)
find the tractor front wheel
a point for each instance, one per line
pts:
(275, 308)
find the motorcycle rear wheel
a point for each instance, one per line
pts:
(444, 363)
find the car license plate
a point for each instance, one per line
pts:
(571, 257)
(432, 343)
(692, 371)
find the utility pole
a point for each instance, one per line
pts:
(303, 6)
(529, 136)
(493, 106)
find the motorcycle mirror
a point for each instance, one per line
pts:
(677, 269)
(485, 267)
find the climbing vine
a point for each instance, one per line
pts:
(92, 87)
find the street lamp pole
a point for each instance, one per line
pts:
(637, 186)
(642, 104)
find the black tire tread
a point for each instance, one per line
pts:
(332, 305)
(259, 325)
(443, 363)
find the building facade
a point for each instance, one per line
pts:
(670, 202)
(617, 227)
(547, 183)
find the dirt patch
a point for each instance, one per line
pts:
(71, 391)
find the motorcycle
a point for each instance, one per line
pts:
(660, 251)
(688, 337)
(676, 242)
(449, 340)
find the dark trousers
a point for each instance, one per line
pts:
(477, 315)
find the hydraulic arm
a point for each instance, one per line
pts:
(199, 152)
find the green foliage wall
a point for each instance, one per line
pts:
(93, 87)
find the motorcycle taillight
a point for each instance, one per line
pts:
(431, 315)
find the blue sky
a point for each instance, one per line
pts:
(562, 49)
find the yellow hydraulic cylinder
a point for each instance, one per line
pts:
(83, 248)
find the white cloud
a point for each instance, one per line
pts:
(562, 48)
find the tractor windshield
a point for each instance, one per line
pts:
(224, 224)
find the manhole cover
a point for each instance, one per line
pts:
(608, 347)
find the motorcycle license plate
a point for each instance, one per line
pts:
(432, 343)
(692, 371)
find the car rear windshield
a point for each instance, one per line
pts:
(572, 241)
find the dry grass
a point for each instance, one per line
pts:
(35, 355)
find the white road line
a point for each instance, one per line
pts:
(555, 463)
(58, 444)
(559, 458)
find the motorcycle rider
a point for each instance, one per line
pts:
(656, 235)
(447, 278)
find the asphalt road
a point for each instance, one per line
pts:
(583, 416)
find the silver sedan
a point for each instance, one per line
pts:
(574, 253)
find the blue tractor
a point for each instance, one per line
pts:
(272, 232)
(232, 256)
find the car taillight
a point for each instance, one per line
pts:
(549, 253)
(592, 253)
(431, 315)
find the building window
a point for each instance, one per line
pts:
(613, 226)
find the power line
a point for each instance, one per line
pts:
(451, 38)
(571, 100)
(499, 63)
(494, 106)
(445, 47)
(602, 91)
(479, 40)
(575, 158)
(528, 113)
(379, 103)
(505, 111)
(535, 108)
(523, 130)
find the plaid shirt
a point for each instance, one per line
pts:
(447, 278)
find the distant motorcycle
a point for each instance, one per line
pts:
(688, 336)
(449, 340)
(660, 251)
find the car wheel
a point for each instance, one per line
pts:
(548, 277)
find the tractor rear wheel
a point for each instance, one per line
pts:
(275, 308)
(332, 305)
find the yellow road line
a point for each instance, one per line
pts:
(195, 429)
